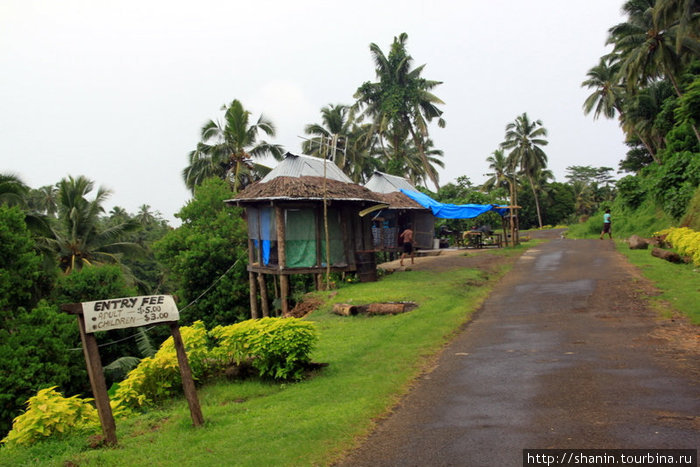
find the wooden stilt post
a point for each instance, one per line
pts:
(254, 313)
(263, 295)
(277, 294)
(282, 259)
(284, 286)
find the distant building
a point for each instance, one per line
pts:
(400, 213)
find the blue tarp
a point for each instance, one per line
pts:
(453, 211)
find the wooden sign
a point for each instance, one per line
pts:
(129, 312)
(119, 313)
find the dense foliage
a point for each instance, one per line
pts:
(208, 253)
(651, 83)
(49, 414)
(277, 348)
(19, 264)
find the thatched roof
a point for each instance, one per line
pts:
(397, 200)
(304, 188)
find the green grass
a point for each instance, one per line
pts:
(679, 283)
(371, 363)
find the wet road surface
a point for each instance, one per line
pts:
(562, 355)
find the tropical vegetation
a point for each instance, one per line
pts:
(229, 148)
(59, 245)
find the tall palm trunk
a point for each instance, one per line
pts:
(537, 200)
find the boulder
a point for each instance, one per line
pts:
(637, 243)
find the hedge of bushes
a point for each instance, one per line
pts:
(277, 348)
(684, 240)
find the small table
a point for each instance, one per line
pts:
(496, 240)
(474, 239)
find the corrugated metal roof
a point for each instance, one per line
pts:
(294, 165)
(385, 183)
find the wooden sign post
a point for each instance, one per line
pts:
(121, 313)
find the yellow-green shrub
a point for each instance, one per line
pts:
(277, 347)
(685, 241)
(49, 413)
(158, 377)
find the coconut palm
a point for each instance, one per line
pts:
(411, 164)
(145, 216)
(641, 111)
(337, 124)
(400, 104)
(12, 190)
(227, 149)
(501, 174)
(609, 95)
(684, 12)
(78, 239)
(44, 199)
(646, 44)
(525, 138)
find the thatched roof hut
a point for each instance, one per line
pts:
(287, 222)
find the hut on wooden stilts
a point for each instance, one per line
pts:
(287, 226)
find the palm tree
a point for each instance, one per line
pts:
(684, 12)
(337, 123)
(145, 216)
(609, 95)
(400, 103)
(657, 41)
(411, 164)
(646, 44)
(525, 138)
(227, 149)
(584, 202)
(43, 200)
(501, 175)
(12, 190)
(77, 239)
(360, 152)
(641, 111)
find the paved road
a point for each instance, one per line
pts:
(564, 354)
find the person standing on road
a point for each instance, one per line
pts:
(407, 239)
(607, 225)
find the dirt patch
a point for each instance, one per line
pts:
(307, 304)
(450, 259)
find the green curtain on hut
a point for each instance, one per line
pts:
(300, 236)
(335, 235)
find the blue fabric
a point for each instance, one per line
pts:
(452, 211)
(265, 220)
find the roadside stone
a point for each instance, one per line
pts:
(637, 243)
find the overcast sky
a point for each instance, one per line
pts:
(118, 90)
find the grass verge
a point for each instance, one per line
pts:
(371, 363)
(679, 283)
